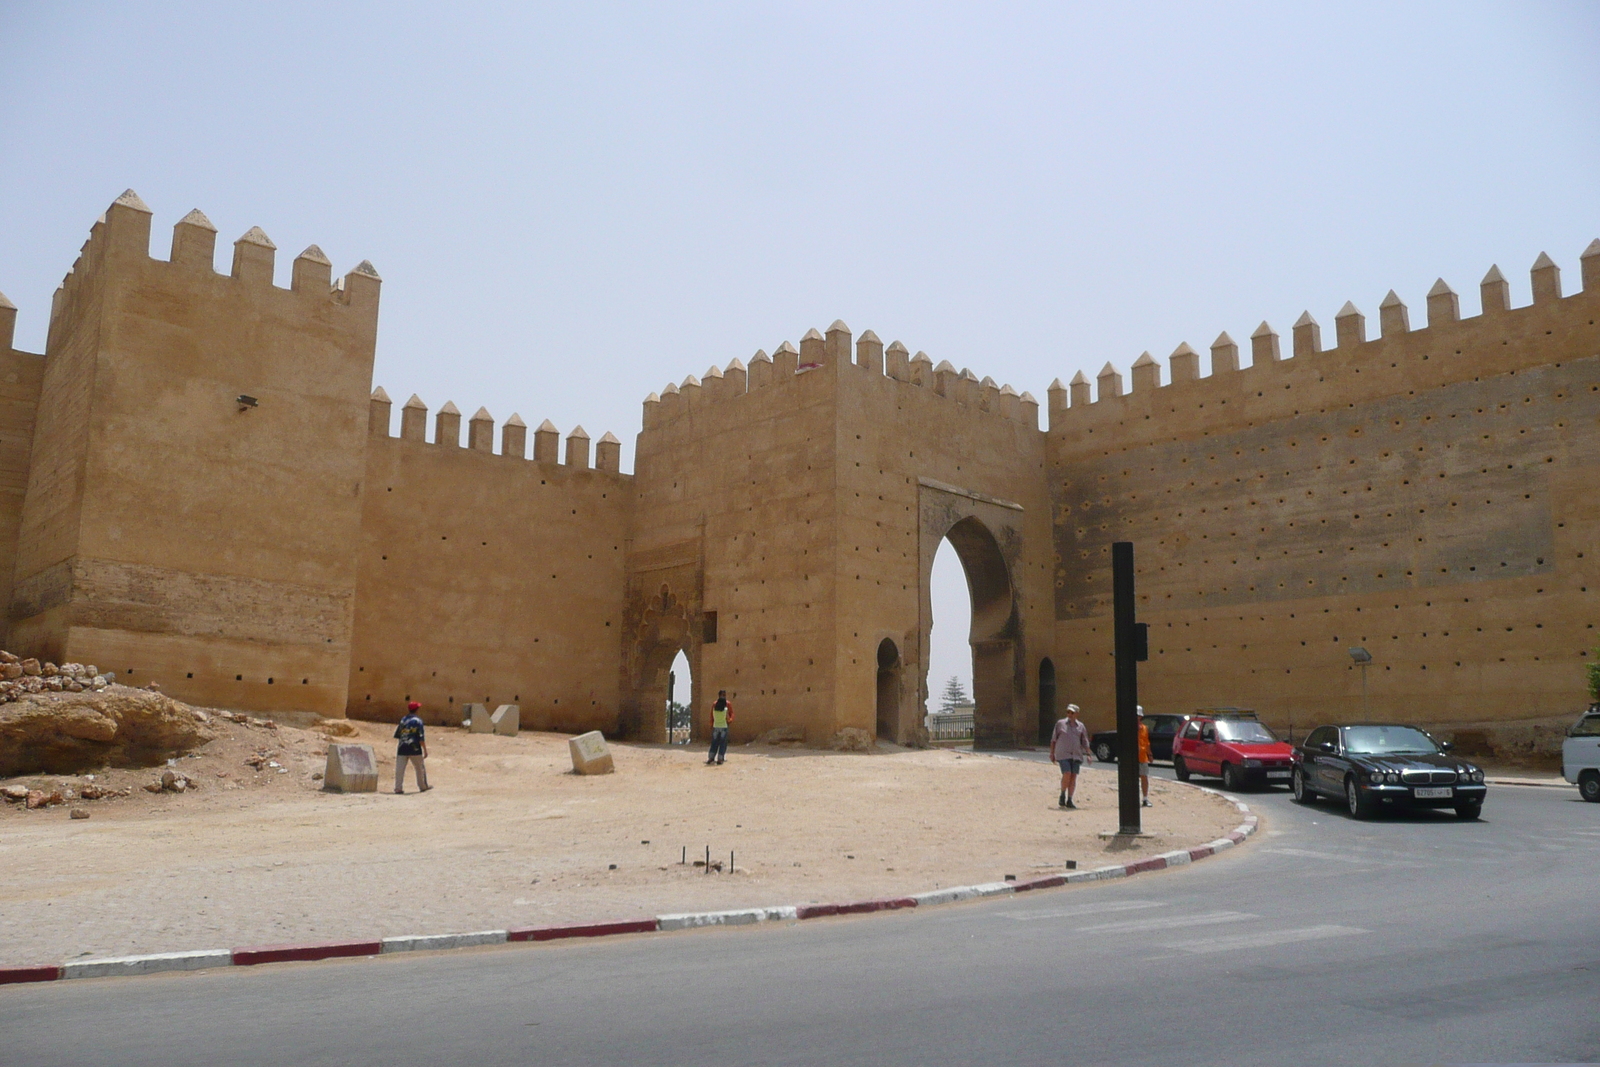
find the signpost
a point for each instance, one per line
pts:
(1132, 645)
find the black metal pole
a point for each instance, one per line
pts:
(1126, 640)
(672, 682)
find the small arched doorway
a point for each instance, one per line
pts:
(888, 690)
(680, 698)
(1047, 700)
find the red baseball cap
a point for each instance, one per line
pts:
(413, 706)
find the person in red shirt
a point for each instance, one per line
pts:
(1144, 758)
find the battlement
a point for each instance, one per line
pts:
(1448, 349)
(831, 352)
(121, 237)
(480, 434)
(8, 324)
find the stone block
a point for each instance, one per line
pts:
(351, 769)
(590, 754)
(119, 966)
(507, 719)
(478, 719)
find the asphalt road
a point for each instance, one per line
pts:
(1413, 939)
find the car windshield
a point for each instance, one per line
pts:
(1588, 726)
(1245, 732)
(1383, 740)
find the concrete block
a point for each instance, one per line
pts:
(507, 719)
(351, 769)
(478, 718)
(741, 917)
(434, 942)
(117, 966)
(590, 754)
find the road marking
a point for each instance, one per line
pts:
(1083, 909)
(1264, 939)
(1306, 853)
(1171, 922)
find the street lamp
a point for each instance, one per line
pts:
(1363, 660)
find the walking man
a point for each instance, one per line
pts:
(721, 716)
(413, 749)
(1144, 757)
(1069, 747)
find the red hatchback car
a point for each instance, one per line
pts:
(1239, 750)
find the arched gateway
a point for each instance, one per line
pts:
(795, 506)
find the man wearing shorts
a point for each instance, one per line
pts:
(1144, 757)
(1069, 747)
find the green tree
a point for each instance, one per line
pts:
(955, 694)
(1592, 669)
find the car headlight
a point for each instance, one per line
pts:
(1477, 776)
(1391, 777)
(1252, 763)
(1376, 776)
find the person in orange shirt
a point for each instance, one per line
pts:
(1144, 758)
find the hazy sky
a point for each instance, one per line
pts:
(572, 205)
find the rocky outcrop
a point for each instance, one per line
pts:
(69, 732)
(852, 739)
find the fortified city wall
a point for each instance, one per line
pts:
(213, 492)
(199, 486)
(171, 531)
(1428, 494)
(488, 576)
(21, 377)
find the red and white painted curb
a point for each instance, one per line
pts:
(206, 959)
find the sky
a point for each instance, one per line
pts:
(572, 205)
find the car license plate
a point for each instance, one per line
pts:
(1442, 792)
(1277, 774)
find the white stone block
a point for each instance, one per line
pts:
(116, 966)
(590, 754)
(478, 719)
(351, 769)
(507, 718)
(741, 917)
(431, 942)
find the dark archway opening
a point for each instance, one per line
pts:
(1047, 700)
(888, 690)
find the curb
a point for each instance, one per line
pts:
(1542, 783)
(205, 959)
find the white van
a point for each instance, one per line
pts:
(1580, 754)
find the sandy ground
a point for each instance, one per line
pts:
(508, 837)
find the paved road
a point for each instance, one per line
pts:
(1409, 940)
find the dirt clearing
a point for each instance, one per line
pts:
(508, 837)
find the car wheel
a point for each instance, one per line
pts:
(1180, 768)
(1302, 788)
(1103, 753)
(1589, 786)
(1230, 778)
(1360, 806)
(1469, 810)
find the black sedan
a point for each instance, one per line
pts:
(1376, 766)
(1163, 728)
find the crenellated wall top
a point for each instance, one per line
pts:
(1449, 348)
(832, 352)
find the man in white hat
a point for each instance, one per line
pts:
(1069, 747)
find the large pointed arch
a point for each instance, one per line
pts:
(986, 535)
